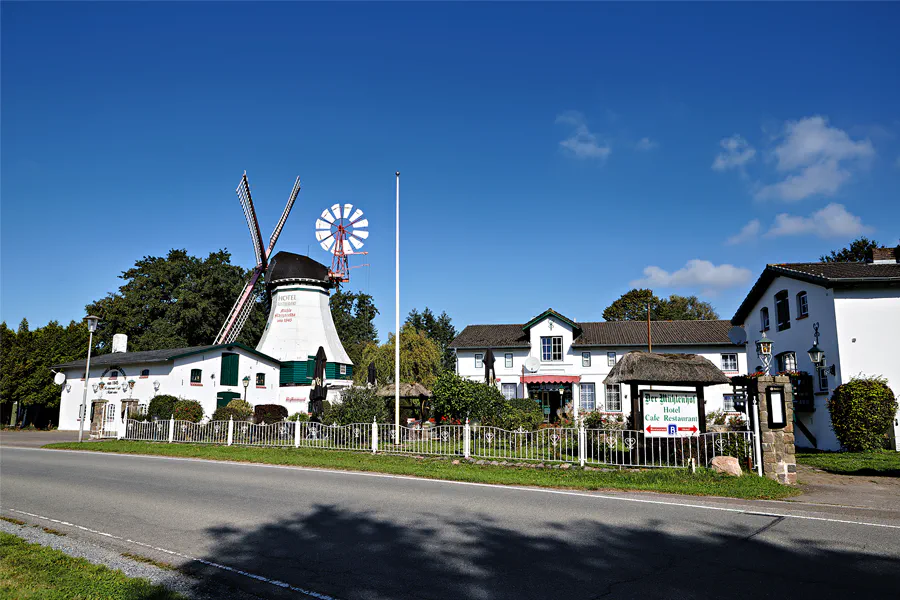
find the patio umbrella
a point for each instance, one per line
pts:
(372, 377)
(319, 392)
(489, 372)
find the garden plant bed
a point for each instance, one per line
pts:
(885, 463)
(556, 475)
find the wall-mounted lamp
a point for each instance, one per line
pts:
(816, 355)
(156, 385)
(96, 387)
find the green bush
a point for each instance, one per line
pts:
(862, 410)
(601, 420)
(161, 407)
(460, 398)
(269, 413)
(237, 409)
(300, 417)
(188, 410)
(358, 405)
(716, 417)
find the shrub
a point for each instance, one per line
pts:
(237, 409)
(269, 413)
(862, 410)
(358, 405)
(601, 420)
(188, 410)
(460, 398)
(737, 423)
(716, 417)
(300, 417)
(161, 407)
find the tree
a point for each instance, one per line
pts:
(353, 314)
(177, 301)
(440, 329)
(859, 250)
(420, 359)
(632, 306)
(862, 410)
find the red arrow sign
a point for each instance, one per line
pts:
(650, 429)
(692, 429)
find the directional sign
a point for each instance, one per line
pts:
(670, 414)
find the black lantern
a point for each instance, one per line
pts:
(816, 355)
(764, 352)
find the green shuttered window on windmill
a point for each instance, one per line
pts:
(229, 375)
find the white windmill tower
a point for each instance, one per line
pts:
(244, 304)
(341, 231)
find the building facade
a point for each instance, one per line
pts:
(570, 360)
(857, 309)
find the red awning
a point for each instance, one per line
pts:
(551, 378)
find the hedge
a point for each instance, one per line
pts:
(269, 413)
(862, 410)
(188, 410)
(161, 407)
(237, 409)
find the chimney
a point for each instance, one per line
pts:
(885, 256)
(120, 343)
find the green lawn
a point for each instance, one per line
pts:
(676, 481)
(885, 463)
(34, 571)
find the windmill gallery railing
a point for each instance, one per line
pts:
(579, 445)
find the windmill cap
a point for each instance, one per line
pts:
(286, 267)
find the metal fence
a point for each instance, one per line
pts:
(611, 447)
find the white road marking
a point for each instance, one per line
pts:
(742, 511)
(274, 582)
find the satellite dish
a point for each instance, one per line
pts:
(737, 335)
(59, 378)
(532, 364)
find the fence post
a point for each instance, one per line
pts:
(374, 436)
(171, 429)
(297, 425)
(467, 439)
(582, 444)
(230, 429)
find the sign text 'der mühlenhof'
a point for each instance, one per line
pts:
(669, 414)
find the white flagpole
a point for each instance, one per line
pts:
(397, 324)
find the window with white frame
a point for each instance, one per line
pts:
(802, 305)
(610, 359)
(507, 360)
(823, 378)
(764, 318)
(728, 403)
(509, 390)
(787, 361)
(343, 369)
(613, 398)
(729, 362)
(479, 361)
(551, 348)
(110, 412)
(588, 397)
(142, 409)
(585, 359)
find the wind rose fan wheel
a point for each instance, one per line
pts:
(341, 229)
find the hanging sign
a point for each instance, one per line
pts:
(670, 414)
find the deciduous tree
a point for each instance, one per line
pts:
(632, 306)
(440, 329)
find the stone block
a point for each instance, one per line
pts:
(728, 465)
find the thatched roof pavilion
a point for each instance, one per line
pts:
(407, 390)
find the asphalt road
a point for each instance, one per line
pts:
(354, 535)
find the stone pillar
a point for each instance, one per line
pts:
(778, 454)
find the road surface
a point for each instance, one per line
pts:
(355, 535)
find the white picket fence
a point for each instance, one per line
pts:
(620, 448)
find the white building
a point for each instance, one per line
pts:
(574, 358)
(857, 307)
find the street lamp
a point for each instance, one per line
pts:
(764, 352)
(92, 327)
(816, 356)
(246, 381)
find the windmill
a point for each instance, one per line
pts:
(244, 304)
(341, 231)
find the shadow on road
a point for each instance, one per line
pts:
(353, 555)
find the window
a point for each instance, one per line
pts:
(823, 378)
(729, 362)
(507, 360)
(802, 305)
(343, 369)
(613, 398)
(764, 318)
(551, 348)
(113, 374)
(787, 361)
(585, 359)
(261, 379)
(588, 397)
(509, 390)
(196, 376)
(145, 373)
(110, 412)
(479, 361)
(610, 359)
(142, 409)
(782, 311)
(728, 403)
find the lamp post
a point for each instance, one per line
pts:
(92, 327)
(764, 352)
(246, 382)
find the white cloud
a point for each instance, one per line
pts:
(646, 144)
(747, 233)
(816, 159)
(582, 143)
(696, 273)
(832, 221)
(736, 153)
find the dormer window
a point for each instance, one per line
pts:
(802, 305)
(764, 318)
(782, 311)
(551, 348)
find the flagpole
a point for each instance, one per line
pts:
(397, 323)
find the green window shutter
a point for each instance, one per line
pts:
(293, 373)
(229, 375)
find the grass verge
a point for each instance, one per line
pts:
(33, 571)
(885, 463)
(674, 481)
(144, 559)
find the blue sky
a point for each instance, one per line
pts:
(551, 155)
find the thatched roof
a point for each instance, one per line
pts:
(407, 390)
(647, 367)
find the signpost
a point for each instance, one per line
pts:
(670, 414)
